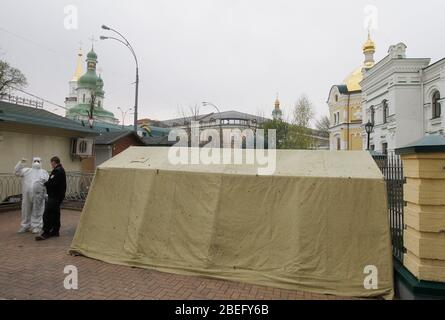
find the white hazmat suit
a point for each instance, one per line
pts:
(33, 194)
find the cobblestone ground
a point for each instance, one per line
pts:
(34, 270)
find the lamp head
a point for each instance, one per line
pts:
(105, 27)
(369, 127)
(103, 38)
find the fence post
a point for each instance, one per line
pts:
(424, 193)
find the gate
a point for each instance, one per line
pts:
(391, 166)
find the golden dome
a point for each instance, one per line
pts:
(369, 46)
(277, 103)
(353, 80)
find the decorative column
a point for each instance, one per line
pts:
(424, 194)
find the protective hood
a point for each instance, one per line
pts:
(36, 163)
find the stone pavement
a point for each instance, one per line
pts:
(34, 270)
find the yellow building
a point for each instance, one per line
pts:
(345, 106)
(27, 132)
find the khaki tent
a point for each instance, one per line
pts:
(318, 224)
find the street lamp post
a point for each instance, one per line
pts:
(124, 114)
(205, 104)
(128, 45)
(369, 127)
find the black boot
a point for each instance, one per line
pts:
(44, 236)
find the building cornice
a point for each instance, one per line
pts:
(393, 66)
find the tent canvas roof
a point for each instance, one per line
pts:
(357, 164)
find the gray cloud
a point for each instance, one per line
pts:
(237, 54)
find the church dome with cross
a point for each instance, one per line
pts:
(86, 101)
(90, 79)
(353, 80)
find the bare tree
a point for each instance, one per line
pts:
(187, 115)
(10, 78)
(323, 125)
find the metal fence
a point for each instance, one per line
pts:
(10, 188)
(78, 185)
(392, 168)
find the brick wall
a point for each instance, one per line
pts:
(124, 143)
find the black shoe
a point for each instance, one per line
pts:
(42, 237)
(55, 234)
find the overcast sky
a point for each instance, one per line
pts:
(235, 53)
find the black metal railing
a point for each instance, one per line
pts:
(391, 166)
(78, 185)
(10, 188)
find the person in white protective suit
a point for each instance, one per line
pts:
(33, 195)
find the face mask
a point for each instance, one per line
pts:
(36, 165)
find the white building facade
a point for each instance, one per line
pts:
(403, 98)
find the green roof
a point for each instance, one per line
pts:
(16, 113)
(89, 80)
(107, 138)
(100, 126)
(92, 55)
(428, 144)
(83, 109)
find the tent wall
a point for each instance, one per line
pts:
(313, 234)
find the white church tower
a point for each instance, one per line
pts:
(71, 99)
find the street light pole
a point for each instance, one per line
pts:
(124, 114)
(136, 98)
(368, 141)
(205, 104)
(128, 45)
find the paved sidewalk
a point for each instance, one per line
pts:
(34, 270)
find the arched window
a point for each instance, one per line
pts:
(335, 119)
(372, 110)
(437, 112)
(338, 144)
(98, 103)
(385, 111)
(83, 98)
